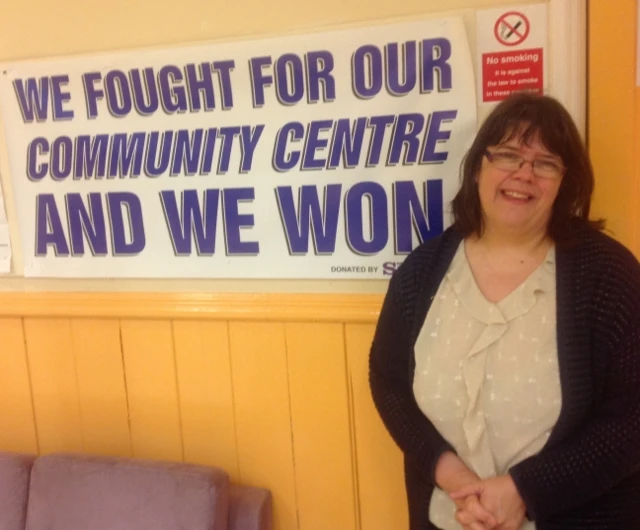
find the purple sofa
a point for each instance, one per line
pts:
(76, 492)
(14, 490)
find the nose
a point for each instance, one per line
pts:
(525, 172)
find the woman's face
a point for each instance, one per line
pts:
(519, 198)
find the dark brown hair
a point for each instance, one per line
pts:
(527, 115)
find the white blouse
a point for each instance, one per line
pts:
(487, 373)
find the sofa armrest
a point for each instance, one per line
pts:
(250, 508)
(15, 475)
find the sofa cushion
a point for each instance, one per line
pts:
(77, 492)
(15, 470)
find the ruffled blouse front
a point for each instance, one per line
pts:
(487, 373)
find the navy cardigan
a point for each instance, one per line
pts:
(587, 476)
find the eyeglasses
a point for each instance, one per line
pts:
(508, 161)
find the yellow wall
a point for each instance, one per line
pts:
(614, 116)
(272, 387)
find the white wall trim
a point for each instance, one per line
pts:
(568, 57)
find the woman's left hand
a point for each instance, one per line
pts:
(499, 496)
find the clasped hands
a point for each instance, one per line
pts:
(490, 504)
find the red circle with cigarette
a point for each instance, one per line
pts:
(512, 28)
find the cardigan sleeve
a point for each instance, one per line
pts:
(599, 456)
(391, 387)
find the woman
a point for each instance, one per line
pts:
(506, 359)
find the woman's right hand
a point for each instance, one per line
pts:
(451, 474)
(500, 495)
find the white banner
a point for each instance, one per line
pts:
(327, 155)
(5, 238)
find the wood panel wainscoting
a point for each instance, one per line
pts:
(271, 387)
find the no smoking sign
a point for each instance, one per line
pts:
(512, 50)
(512, 28)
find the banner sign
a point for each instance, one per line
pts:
(327, 155)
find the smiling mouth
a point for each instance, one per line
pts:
(516, 195)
